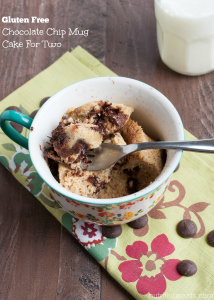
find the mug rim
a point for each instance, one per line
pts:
(111, 201)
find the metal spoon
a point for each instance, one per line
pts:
(108, 154)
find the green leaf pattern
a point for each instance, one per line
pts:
(21, 164)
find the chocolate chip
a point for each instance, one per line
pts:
(14, 108)
(186, 228)
(32, 115)
(17, 126)
(176, 169)
(186, 268)
(139, 223)
(44, 100)
(112, 231)
(107, 113)
(210, 238)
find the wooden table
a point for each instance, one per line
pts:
(39, 259)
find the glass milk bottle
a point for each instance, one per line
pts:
(185, 35)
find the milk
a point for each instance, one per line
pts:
(185, 35)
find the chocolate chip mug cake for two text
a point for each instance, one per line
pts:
(86, 127)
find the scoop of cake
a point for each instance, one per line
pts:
(84, 128)
(72, 140)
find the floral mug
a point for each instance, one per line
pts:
(152, 110)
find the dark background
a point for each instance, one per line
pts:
(39, 259)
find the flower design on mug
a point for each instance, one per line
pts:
(72, 202)
(81, 216)
(127, 205)
(128, 215)
(150, 268)
(106, 214)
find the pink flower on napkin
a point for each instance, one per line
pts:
(89, 229)
(150, 268)
(87, 234)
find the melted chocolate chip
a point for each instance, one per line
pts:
(95, 182)
(107, 113)
(58, 136)
(114, 115)
(99, 120)
(58, 140)
(139, 223)
(83, 158)
(132, 185)
(186, 228)
(44, 100)
(112, 231)
(80, 147)
(186, 268)
(79, 173)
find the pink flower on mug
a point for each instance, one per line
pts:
(126, 205)
(72, 202)
(150, 268)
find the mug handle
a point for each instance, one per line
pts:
(15, 116)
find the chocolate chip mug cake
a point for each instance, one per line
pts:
(86, 127)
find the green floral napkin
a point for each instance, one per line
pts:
(143, 261)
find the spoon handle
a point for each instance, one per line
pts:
(196, 146)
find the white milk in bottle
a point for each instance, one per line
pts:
(185, 34)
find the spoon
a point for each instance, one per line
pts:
(107, 154)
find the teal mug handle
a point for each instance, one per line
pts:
(15, 116)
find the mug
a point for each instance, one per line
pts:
(152, 110)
